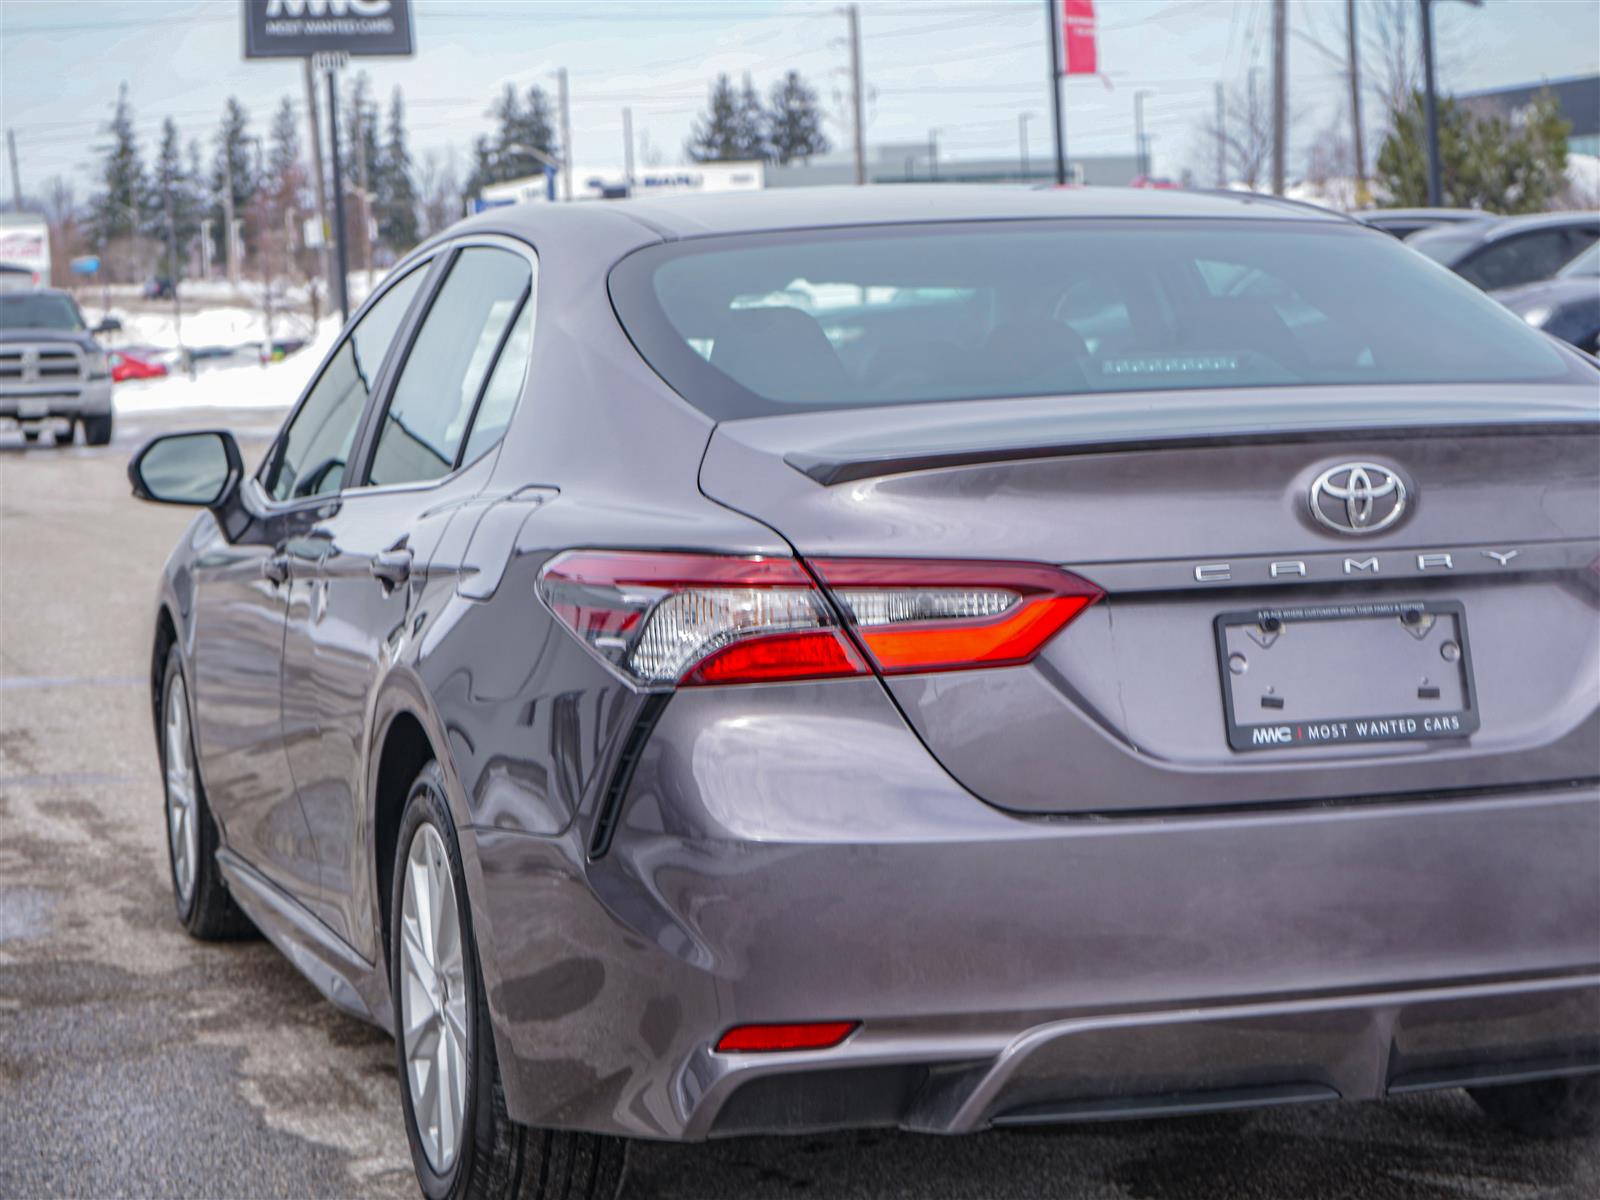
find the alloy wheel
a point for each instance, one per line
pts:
(433, 999)
(183, 827)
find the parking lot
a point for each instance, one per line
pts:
(134, 1061)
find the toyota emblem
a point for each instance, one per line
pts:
(1358, 497)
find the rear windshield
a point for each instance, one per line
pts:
(37, 310)
(757, 325)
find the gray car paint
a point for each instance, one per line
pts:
(793, 852)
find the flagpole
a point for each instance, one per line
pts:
(1059, 118)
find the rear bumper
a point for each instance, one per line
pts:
(814, 863)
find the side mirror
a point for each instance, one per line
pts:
(202, 469)
(108, 325)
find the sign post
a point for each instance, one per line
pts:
(326, 33)
(1072, 52)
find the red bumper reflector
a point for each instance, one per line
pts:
(813, 1035)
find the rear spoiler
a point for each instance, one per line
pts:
(1111, 423)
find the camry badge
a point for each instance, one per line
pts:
(1358, 497)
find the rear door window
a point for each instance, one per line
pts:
(1525, 258)
(450, 366)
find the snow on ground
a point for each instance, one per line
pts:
(250, 384)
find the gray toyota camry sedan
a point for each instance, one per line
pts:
(925, 657)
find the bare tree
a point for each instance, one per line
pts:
(1246, 133)
(1331, 165)
(61, 213)
(439, 191)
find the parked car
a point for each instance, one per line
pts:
(1511, 251)
(133, 363)
(1403, 222)
(159, 287)
(52, 371)
(17, 279)
(1155, 671)
(1567, 305)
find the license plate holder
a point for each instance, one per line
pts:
(1337, 674)
(31, 409)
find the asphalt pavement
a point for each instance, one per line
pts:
(136, 1062)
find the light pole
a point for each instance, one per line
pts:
(1430, 99)
(1141, 155)
(933, 155)
(1022, 142)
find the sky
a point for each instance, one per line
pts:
(966, 68)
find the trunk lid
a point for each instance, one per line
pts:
(1193, 513)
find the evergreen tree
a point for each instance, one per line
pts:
(119, 208)
(1483, 162)
(397, 193)
(715, 137)
(750, 126)
(518, 122)
(795, 121)
(233, 168)
(175, 216)
(359, 118)
(283, 161)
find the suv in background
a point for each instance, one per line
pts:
(1512, 251)
(51, 368)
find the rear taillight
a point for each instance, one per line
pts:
(666, 619)
(916, 615)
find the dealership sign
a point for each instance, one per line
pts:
(297, 28)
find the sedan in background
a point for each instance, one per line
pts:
(1511, 251)
(1566, 306)
(929, 657)
(1403, 222)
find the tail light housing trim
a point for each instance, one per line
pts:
(671, 619)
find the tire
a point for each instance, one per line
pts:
(31, 436)
(1546, 1108)
(490, 1157)
(204, 907)
(97, 430)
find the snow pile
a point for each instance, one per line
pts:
(252, 385)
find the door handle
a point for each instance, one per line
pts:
(275, 568)
(392, 567)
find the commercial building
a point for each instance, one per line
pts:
(1577, 97)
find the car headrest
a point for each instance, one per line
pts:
(781, 353)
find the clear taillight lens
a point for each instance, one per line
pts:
(666, 619)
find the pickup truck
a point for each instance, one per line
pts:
(52, 371)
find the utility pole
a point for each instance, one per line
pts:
(16, 176)
(627, 148)
(1355, 103)
(366, 196)
(172, 259)
(1022, 141)
(853, 16)
(341, 257)
(316, 163)
(205, 248)
(1142, 156)
(1280, 88)
(227, 220)
(1431, 102)
(566, 134)
(1222, 142)
(1058, 121)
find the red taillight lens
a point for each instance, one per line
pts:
(813, 1035)
(666, 619)
(916, 615)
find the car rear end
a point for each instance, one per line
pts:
(1174, 686)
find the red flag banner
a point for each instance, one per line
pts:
(1077, 37)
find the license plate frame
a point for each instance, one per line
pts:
(1395, 721)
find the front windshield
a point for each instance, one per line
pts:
(40, 310)
(843, 318)
(1586, 264)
